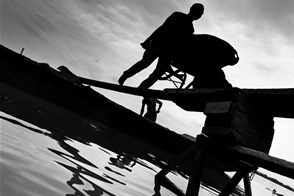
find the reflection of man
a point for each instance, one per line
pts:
(177, 28)
(152, 112)
(123, 161)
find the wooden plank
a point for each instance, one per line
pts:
(257, 158)
(126, 89)
(191, 100)
(278, 101)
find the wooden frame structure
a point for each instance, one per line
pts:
(237, 136)
(239, 127)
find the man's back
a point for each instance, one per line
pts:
(179, 24)
(177, 28)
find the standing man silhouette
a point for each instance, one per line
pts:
(152, 112)
(177, 28)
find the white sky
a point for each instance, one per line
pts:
(100, 39)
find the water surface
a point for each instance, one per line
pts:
(36, 161)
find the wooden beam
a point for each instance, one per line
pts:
(232, 183)
(247, 185)
(277, 101)
(197, 167)
(257, 158)
(126, 89)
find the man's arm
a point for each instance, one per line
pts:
(159, 105)
(159, 31)
(155, 34)
(142, 108)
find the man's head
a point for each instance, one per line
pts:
(196, 11)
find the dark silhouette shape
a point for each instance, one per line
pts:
(274, 193)
(78, 179)
(211, 79)
(152, 112)
(71, 155)
(203, 52)
(202, 56)
(173, 32)
(123, 162)
(178, 74)
(163, 181)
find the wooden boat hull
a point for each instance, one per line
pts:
(52, 100)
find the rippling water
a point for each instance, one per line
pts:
(35, 161)
(39, 162)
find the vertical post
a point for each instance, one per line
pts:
(197, 167)
(247, 185)
(175, 162)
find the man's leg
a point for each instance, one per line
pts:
(162, 65)
(147, 59)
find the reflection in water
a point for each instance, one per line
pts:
(123, 162)
(72, 157)
(83, 180)
(78, 178)
(80, 167)
(165, 182)
(89, 179)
